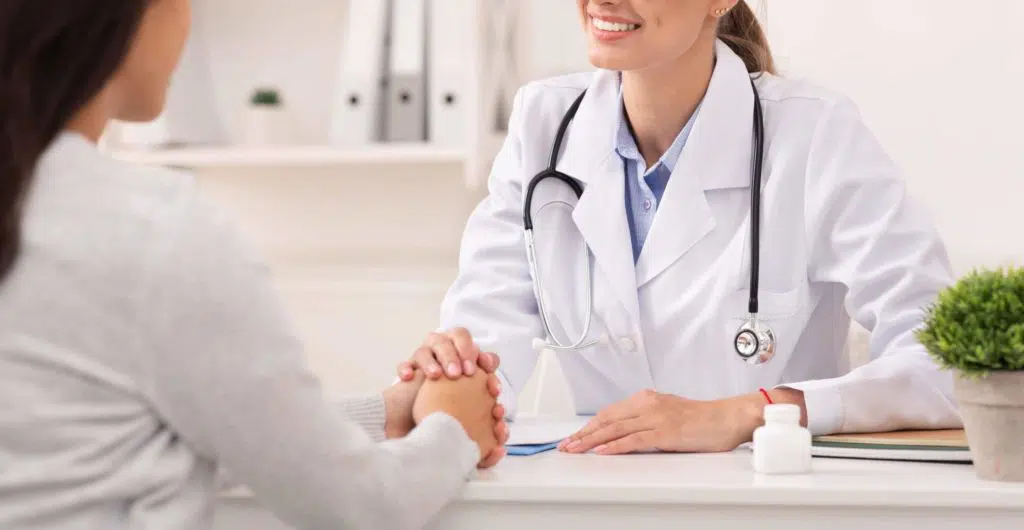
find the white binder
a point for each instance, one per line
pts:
(358, 116)
(407, 87)
(449, 45)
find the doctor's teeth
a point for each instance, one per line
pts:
(604, 25)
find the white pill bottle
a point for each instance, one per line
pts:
(782, 446)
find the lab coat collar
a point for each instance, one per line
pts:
(724, 127)
(717, 156)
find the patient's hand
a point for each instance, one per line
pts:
(398, 402)
(469, 400)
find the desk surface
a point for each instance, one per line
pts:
(729, 479)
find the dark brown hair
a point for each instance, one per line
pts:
(743, 33)
(55, 57)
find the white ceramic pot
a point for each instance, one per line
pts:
(992, 408)
(263, 125)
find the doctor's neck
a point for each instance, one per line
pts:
(659, 100)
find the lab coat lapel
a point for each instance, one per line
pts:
(601, 218)
(589, 156)
(717, 155)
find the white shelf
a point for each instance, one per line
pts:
(291, 156)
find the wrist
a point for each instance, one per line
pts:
(398, 421)
(749, 415)
(750, 409)
(791, 396)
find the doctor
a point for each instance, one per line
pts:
(674, 317)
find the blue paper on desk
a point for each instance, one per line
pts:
(530, 435)
(527, 450)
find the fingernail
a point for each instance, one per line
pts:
(469, 367)
(601, 449)
(433, 370)
(573, 446)
(453, 369)
(406, 373)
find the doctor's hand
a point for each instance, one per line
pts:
(470, 401)
(452, 353)
(664, 422)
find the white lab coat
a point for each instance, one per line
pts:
(840, 238)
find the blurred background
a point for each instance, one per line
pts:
(357, 193)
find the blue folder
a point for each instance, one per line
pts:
(527, 450)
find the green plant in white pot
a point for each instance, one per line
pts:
(264, 121)
(976, 329)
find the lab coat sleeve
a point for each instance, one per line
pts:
(865, 233)
(493, 295)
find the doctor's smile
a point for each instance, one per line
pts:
(609, 29)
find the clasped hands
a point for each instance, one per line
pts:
(646, 421)
(470, 396)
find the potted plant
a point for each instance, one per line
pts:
(264, 118)
(976, 329)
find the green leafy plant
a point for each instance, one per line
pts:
(266, 97)
(976, 326)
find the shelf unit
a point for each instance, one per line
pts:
(215, 54)
(243, 156)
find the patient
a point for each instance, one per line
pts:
(141, 345)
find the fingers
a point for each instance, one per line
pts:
(406, 371)
(613, 413)
(446, 354)
(424, 358)
(613, 431)
(492, 458)
(638, 441)
(489, 362)
(501, 432)
(467, 352)
(493, 385)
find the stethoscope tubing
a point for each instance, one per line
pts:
(757, 161)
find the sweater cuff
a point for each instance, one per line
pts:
(440, 427)
(369, 413)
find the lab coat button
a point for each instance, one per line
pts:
(627, 344)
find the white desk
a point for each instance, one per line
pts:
(641, 492)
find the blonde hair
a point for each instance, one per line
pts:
(741, 31)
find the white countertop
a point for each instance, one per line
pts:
(707, 491)
(729, 479)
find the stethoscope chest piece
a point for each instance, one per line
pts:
(755, 342)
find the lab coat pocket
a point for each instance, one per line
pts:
(785, 313)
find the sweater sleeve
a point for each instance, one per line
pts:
(229, 377)
(367, 412)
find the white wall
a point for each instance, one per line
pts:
(364, 254)
(939, 81)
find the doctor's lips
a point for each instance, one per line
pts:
(607, 29)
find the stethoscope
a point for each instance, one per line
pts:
(754, 341)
